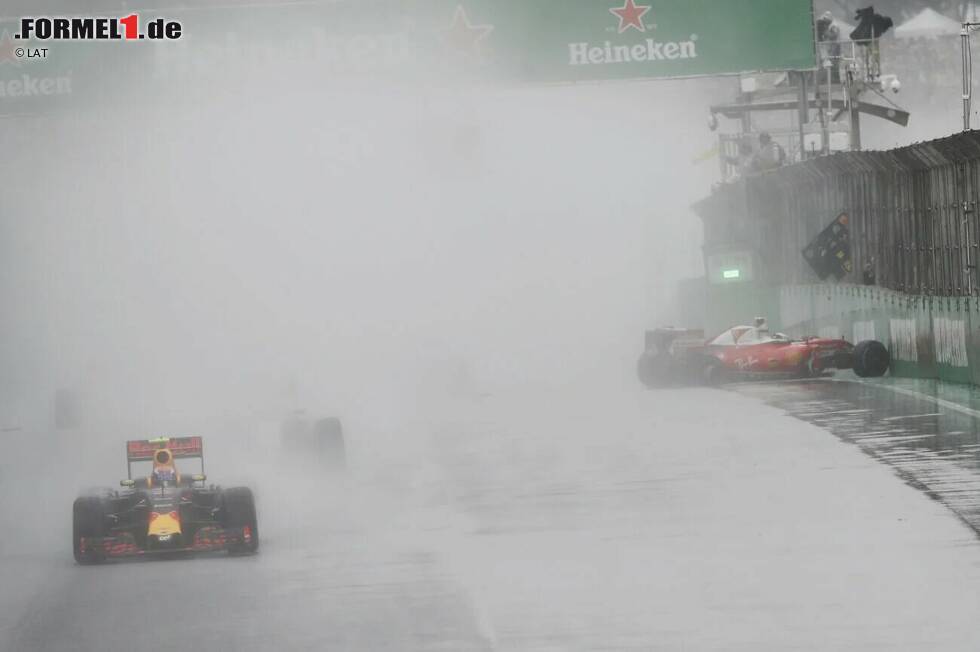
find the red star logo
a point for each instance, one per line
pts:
(463, 35)
(630, 15)
(7, 49)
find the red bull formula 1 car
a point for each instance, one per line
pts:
(677, 355)
(165, 511)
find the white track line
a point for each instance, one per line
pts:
(956, 407)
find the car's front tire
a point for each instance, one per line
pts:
(238, 514)
(88, 522)
(871, 359)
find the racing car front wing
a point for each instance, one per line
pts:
(207, 539)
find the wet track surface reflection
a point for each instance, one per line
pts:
(927, 431)
(683, 519)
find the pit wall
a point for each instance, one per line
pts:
(927, 337)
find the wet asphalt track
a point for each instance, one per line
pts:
(348, 589)
(927, 431)
(345, 563)
(373, 565)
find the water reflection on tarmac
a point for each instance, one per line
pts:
(928, 431)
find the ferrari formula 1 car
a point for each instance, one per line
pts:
(165, 511)
(676, 355)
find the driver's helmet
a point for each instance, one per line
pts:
(163, 468)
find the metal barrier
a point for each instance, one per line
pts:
(914, 216)
(927, 337)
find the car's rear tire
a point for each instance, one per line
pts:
(871, 359)
(328, 439)
(238, 513)
(88, 522)
(653, 370)
(714, 373)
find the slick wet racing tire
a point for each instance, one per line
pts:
(238, 513)
(88, 522)
(871, 359)
(328, 439)
(714, 373)
(653, 370)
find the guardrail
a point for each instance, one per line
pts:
(914, 216)
(927, 337)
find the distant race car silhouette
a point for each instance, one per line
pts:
(676, 355)
(320, 441)
(165, 511)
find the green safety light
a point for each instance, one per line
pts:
(730, 273)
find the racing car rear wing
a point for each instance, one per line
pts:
(142, 450)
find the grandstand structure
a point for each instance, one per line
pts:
(812, 112)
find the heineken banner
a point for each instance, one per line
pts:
(510, 41)
(586, 40)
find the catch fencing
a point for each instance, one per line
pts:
(914, 217)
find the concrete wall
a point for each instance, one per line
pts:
(928, 337)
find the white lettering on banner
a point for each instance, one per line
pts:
(584, 53)
(949, 336)
(903, 340)
(864, 330)
(28, 86)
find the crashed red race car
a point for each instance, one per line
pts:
(677, 355)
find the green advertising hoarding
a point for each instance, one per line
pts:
(596, 40)
(510, 41)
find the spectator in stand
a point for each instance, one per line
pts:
(770, 155)
(828, 46)
(744, 161)
(828, 36)
(868, 272)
